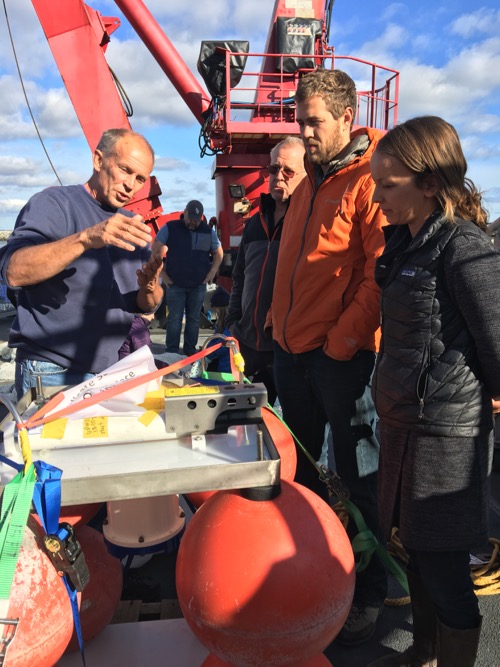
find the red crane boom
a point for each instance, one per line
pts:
(248, 109)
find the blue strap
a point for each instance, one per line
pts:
(47, 495)
(47, 501)
(12, 464)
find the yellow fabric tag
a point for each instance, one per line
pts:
(95, 427)
(54, 430)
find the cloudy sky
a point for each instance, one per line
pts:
(448, 54)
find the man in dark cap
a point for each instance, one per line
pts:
(193, 259)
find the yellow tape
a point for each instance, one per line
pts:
(95, 427)
(54, 429)
(147, 417)
(171, 392)
(24, 443)
(154, 400)
(239, 362)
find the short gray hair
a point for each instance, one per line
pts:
(110, 138)
(291, 142)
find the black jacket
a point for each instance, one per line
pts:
(439, 361)
(438, 367)
(253, 277)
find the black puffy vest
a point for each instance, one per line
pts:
(427, 376)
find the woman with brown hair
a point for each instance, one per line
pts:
(436, 374)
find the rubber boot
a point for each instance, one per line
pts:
(457, 648)
(423, 651)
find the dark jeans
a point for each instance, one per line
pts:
(314, 389)
(446, 577)
(182, 300)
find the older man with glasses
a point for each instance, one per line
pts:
(255, 266)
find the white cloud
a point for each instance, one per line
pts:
(484, 20)
(169, 164)
(394, 9)
(11, 205)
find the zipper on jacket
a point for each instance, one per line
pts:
(270, 238)
(422, 381)
(303, 242)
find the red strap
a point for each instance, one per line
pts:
(39, 417)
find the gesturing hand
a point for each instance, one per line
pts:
(120, 231)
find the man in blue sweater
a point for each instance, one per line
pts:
(193, 259)
(81, 267)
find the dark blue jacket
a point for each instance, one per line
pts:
(253, 277)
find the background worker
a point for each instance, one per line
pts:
(326, 309)
(255, 266)
(193, 259)
(81, 267)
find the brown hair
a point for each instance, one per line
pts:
(335, 87)
(430, 148)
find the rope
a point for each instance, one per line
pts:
(364, 543)
(486, 578)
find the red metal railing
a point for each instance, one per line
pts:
(262, 105)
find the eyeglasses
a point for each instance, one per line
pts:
(287, 172)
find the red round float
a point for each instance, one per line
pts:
(102, 594)
(284, 443)
(41, 603)
(76, 515)
(265, 582)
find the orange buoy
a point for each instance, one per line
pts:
(197, 498)
(283, 442)
(77, 515)
(265, 582)
(102, 594)
(41, 603)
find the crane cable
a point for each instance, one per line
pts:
(204, 137)
(127, 104)
(25, 94)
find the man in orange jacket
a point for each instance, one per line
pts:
(325, 309)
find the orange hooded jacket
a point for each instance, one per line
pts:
(325, 293)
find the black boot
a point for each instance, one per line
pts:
(423, 651)
(457, 648)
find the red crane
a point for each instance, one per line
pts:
(246, 109)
